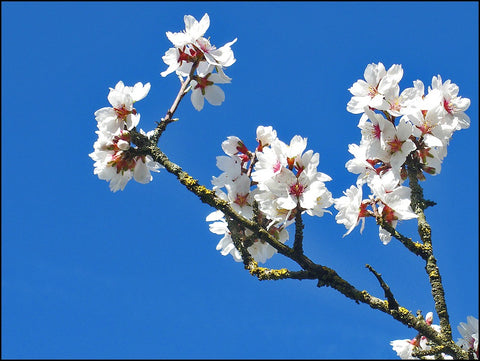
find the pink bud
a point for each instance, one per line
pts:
(429, 318)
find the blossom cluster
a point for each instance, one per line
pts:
(396, 127)
(469, 332)
(269, 185)
(114, 162)
(406, 348)
(192, 52)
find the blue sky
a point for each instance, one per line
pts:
(87, 273)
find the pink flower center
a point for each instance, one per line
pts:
(448, 106)
(395, 105)
(125, 136)
(297, 189)
(425, 128)
(205, 46)
(377, 131)
(277, 167)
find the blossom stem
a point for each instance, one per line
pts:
(162, 125)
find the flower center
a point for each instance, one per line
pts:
(241, 199)
(202, 83)
(372, 91)
(297, 189)
(448, 106)
(122, 162)
(395, 105)
(183, 57)
(423, 153)
(395, 145)
(425, 128)
(123, 112)
(377, 131)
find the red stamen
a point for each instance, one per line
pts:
(202, 83)
(297, 189)
(122, 112)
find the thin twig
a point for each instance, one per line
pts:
(162, 125)
(415, 247)
(392, 302)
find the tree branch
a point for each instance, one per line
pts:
(251, 265)
(324, 275)
(414, 247)
(418, 205)
(298, 243)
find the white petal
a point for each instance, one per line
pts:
(214, 95)
(197, 99)
(141, 173)
(214, 216)
(140, 91)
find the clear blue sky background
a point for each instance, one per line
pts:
(87, 273)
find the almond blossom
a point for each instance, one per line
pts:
(469, 332)
(286, 180)
(405, 348)
(193, 52)
(122, 114)
(116, 165)
(204, 87)
(351, 210)
(398, 143)
(453, 105)
(393, 201)
(371, 91)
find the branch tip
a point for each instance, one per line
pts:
(392, 302)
